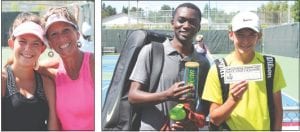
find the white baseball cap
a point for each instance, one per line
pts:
(245, 20)
(30, 27)
(57, 18)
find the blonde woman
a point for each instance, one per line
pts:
(74, 74)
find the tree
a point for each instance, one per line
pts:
(165, 7)
(274, 12)
(205, 12)
(296, 11)
(216, 15)
(134, 9)
(136, 13)
(107, 11)
(165, 14)
(125, 10)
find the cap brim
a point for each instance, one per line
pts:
(57, 18)
(30, 28)
(242, 27)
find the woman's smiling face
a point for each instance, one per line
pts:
(27, 48)
(62, 38)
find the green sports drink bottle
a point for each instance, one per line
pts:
(177, 113)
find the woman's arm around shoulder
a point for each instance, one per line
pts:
(49, 88)
(49, 68)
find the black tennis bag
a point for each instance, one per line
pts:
(117, 112)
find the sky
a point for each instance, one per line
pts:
(227, 6)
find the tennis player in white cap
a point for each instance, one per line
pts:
(246, 107)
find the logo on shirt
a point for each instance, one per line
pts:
(245, 20)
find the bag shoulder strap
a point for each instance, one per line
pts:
(221, 63)
(157, 61)
(156, 66)
(269, 63)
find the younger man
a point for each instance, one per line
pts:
(154, 114)
(246, 107)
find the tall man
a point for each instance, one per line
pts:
(178, 50)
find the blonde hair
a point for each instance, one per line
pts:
(61, 11)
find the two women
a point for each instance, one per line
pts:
(31, 99)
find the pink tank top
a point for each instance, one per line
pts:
(75, 98)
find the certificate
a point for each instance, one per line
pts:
(251, 72)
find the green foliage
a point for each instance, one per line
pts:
(125, 10)
(107, 11)
(274, 12)
(216, 15)
(15, 7)
(133, 9)
(39, 8)
(165, 7)
(296, 11)
(263, 26)
(274, 6)
(271, 13)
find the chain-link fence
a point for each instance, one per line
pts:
(273, 41)
(214, 20)
(82, 10)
